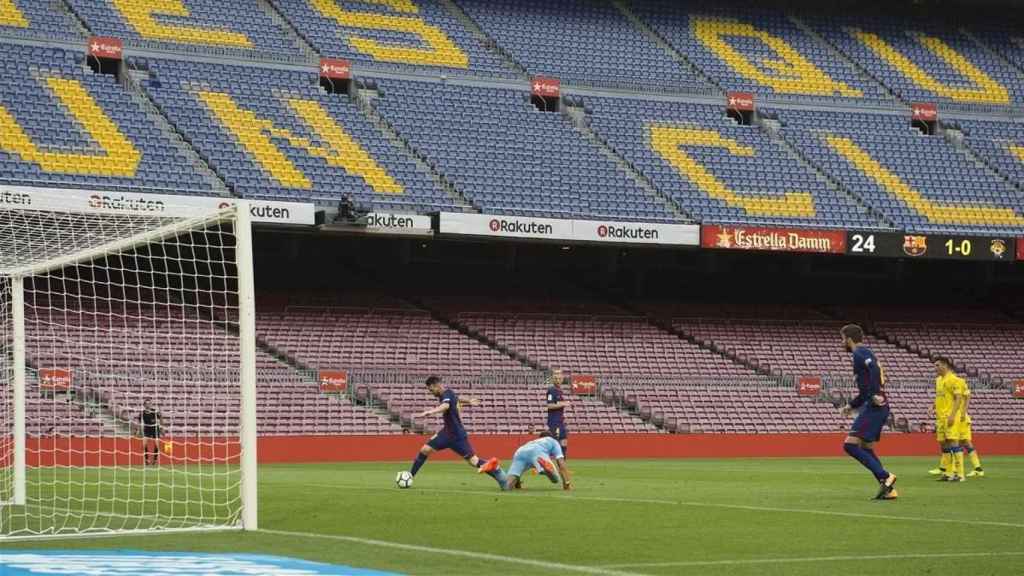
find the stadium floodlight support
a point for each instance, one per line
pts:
(47, 247)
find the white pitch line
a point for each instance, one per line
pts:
(755, 561)
(553, 566)
(749, 508)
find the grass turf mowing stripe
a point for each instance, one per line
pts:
(665, 502)
(593, 570)
(755, 561)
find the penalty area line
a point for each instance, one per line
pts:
(811, 559)
(666, 502)
(553, 566)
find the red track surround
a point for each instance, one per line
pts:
(65, 451)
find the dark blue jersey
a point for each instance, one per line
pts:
(555, 417)
(870, 382)
(452, 419)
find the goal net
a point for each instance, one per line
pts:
(127, 376)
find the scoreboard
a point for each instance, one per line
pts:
(930, 246)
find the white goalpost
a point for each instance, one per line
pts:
(107, 310)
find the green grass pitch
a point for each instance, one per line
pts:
(707, 517)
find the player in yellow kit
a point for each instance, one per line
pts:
(949, 405)
(966, 437)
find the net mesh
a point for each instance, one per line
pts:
(121, 312)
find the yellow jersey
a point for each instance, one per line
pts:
(946, 387)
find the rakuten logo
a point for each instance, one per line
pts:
(626, 232)
(389, 221)
(15, 198)
(517, 227)
(264, 211)
(124, 204)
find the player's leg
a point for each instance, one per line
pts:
(859, 444)
(854, 446)
(966, 441)
(563, 440)
(956, 454)
(547, 468)
(148, 443)
(886, 484)
(515, 471)
(489, 466)
(943, 462)
(438, 442)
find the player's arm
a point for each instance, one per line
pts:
(439, 409)
(864, 392)
(563, 471)
(954, 415)
(558, 404)
(469, 402)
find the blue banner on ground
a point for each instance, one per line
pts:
(131, 562)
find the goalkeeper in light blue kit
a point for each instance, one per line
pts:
(539, 455)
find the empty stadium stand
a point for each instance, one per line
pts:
(582, 43)
(49, 414)
(421, 35)
(277, 134)
(1000, 143)
(508, 157)
(922, 183)
(362, 331)
(64, 126)
(797, 346)
(978, 340)
(728, 409)
(189, 380)
(37, 19)
(749, 47)
(233, 28)
(922, 59)
(718, 171)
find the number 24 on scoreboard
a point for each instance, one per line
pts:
(897, 245)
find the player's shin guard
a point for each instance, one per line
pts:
(946, 461)
(418, 463)
(861, 455)
(958, 461)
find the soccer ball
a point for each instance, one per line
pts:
(404, 479)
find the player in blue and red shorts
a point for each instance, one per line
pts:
(556, 405)
(453, 436)
(873, 405)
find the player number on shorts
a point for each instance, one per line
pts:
(862, 243)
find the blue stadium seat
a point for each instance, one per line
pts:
(47, 93)
(34, 18)
(921, 183)
(508, 157)
(730, 173)
(229, 27)
(293, 160)
(588, 43)
(426, 37)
